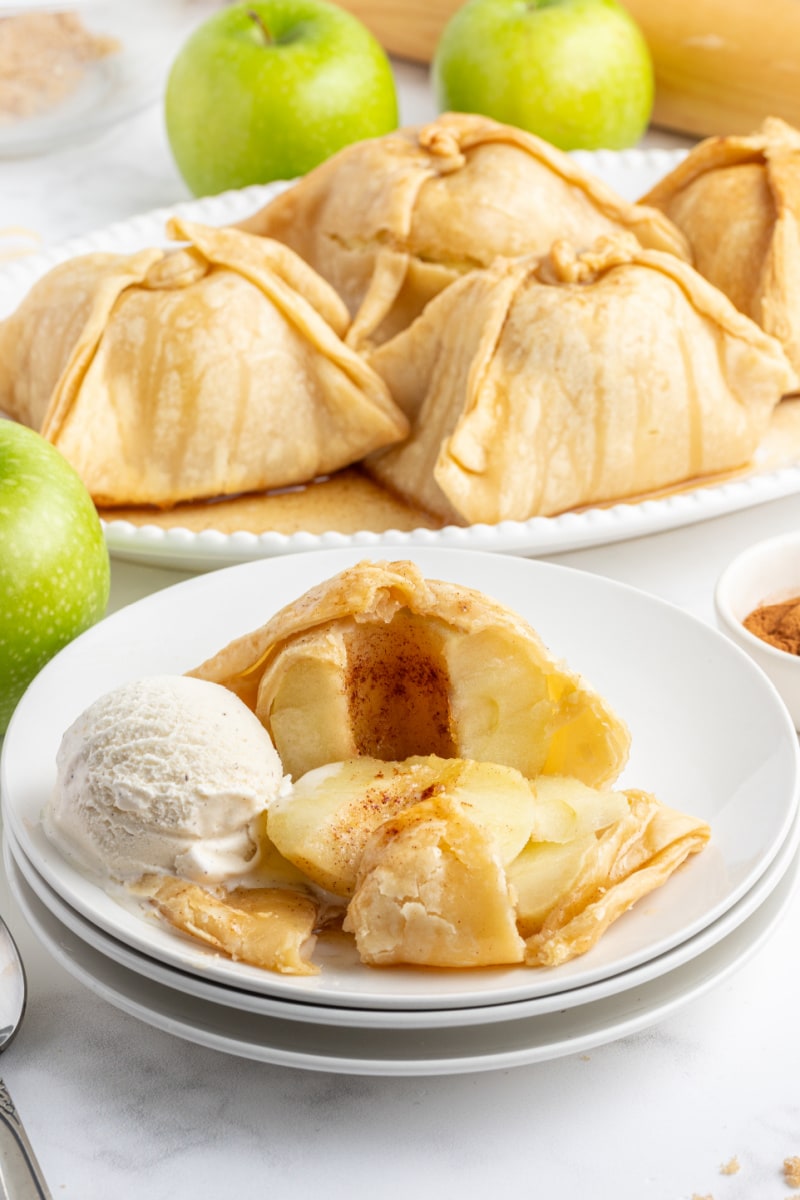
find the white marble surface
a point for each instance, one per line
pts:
(117, 1109)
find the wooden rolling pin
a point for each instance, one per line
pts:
(721, 65)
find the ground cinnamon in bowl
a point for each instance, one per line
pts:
(777, 624)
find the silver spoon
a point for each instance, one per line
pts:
(20, 1176)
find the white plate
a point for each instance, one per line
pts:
(149, 33)
(710, 737)
(361, 1018)
(453, 1051)
(631, 172)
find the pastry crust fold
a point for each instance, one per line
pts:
(624, 862)
(432, 891)
(272, 928)
(391, 221)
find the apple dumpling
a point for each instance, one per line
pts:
(207, 370)
(452, 802)
(542, 384)
(391, 221)
(379, 661)
(737, 199)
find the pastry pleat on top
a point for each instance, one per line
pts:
(737, 199)
(380, 661)
(391, 221)
(542, 384)
(201, 371)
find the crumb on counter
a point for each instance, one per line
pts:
(791, 1171)
(732, 1167)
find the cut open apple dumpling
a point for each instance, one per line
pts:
(451, 802)
(379, 661)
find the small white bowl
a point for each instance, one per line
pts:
(766, 573)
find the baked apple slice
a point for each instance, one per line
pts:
(568, 893)
(323, 824)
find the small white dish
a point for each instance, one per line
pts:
(765, 573)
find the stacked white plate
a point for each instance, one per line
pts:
(710, 736)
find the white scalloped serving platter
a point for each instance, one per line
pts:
(631, 172)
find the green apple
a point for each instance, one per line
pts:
(54, 568)
(577, 73)
(268, 90)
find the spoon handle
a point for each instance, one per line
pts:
(20, 1176)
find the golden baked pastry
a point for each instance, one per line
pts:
(451, 798)
(569, 893)
(431, 887)
(271, 928)
(737, 199)
(380, 661)
(209, 370)
(542, 384)
(391, 221)
(431, 891)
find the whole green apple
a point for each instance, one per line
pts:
(54, 568)
(577, 73)
(268, 90)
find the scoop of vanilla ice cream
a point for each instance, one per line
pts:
(164, 774)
